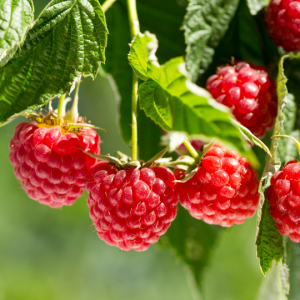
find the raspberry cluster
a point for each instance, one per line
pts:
(224, 190)
(283, 20)
(131, 208)
(284, 199)
(49, 164)
(250, 94)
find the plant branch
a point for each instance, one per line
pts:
(134, 29)
(107, 4)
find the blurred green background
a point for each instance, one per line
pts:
(55, 254)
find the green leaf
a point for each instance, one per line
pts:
(205, 24)
(175, 103)
(256, 5)
(269, 241)
(251, 138)
(193, 242)
(142, 56)
(67, 41)
(16, 18)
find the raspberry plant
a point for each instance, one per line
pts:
(133, 200)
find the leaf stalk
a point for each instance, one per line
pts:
(107, 4)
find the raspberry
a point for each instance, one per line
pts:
(224, 190)
(284, 198)
(283, 21)
(131, 208)
(250, 94)
(49, 164)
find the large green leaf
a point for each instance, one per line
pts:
(16, 18)
(175, 103)
(205, 24)
(269, 241)
(193, 242)
(67, 41)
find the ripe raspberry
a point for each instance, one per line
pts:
(250, 94)
(131, 208)
(49, 164)
(284, 199)
(283, 20)
(224, 190)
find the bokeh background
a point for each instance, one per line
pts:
(55, 254)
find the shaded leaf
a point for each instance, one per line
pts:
(117, 64)
(293, 261)
(205, 24)
(16, 18)
(148, 137)
(67, 41)
(193, 242)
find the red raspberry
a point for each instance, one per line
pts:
(131, 208)
(49, 164)
(250, 94)
(224, 190)
(283, 20)
(284, 199)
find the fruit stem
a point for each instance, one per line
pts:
(134, 29)
(191, 150)
(60, 107)
(73, 114)
(107, 4)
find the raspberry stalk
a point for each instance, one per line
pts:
(134, 29)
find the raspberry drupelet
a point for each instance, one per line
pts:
(250, 94)
(49, 164)
(284, 199)
(131, 208)
(224, 190)
(283, 20)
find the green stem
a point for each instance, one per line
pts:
(107, 4)
(60, 107)
(191, 150)
(134, 29)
